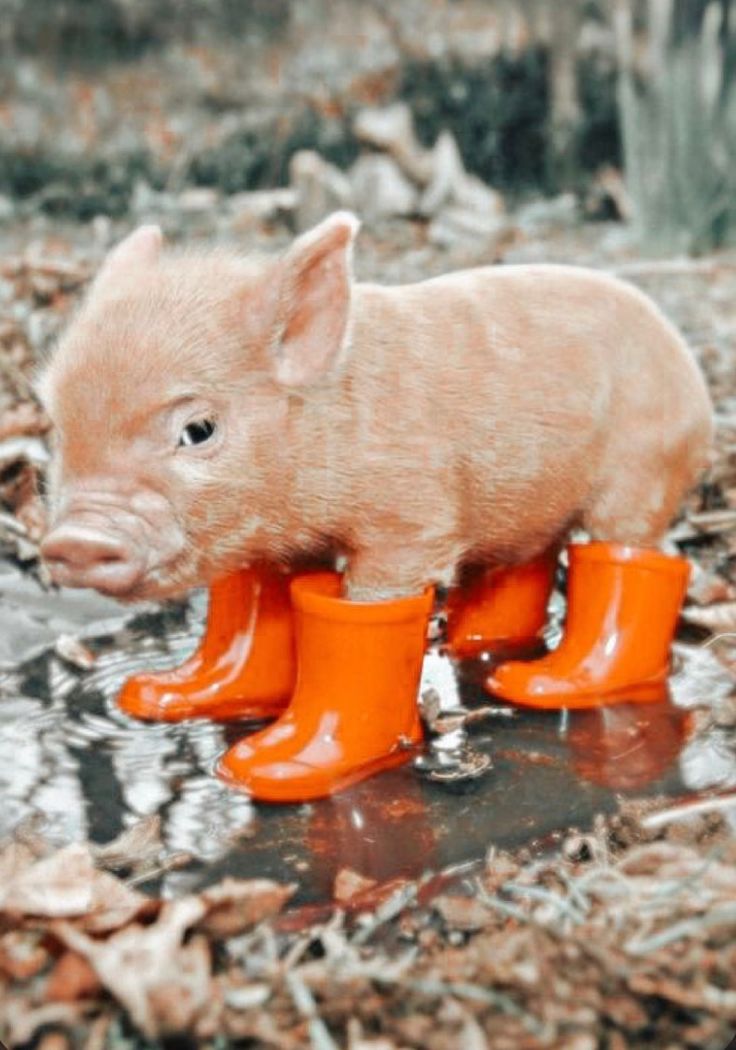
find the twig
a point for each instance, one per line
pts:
(307, 1008)
(390, 908)
(689, 809)
(176, 860)
(98, 1033)
(545, 897)
(720, 915)
(477, 994)
(510, 911)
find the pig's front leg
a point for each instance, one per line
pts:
(380, 574)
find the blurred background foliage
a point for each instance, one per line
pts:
(540, 95)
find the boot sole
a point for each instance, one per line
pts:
(233, 710)
(268, 790)
(649, 692)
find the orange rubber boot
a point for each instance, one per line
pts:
(622, 609)
(354, 710)
(244, 666)
(501, 608)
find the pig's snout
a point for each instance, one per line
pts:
(80, 555)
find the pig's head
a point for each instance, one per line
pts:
(172, 395)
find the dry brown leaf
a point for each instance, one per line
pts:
(72, 978)
(175, 1005)
(137, 846)
(708, 588)
(462, 913)
(74, 652)
(68, 885)
(22, 1020)
(719, 617)
(22, 955)
(15, 858)
(349, 883)
(135, 963)
(234, 905)
(24, 419)
(33, 516)
(714, 521)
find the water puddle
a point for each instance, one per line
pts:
(71, 759)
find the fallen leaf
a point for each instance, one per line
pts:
(74, 652)
(15, 858)
(25, 419)
(718, 617)
(68, 885)
(234, 905)
(348, 883)
(22, 955)
(462, 913)
(22, 1021)
(72, 978)
(135, 963)
(135, 847)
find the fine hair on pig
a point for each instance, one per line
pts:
(212, 410)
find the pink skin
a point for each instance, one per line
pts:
(474, 417)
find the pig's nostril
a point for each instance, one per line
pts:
(81, 556)
(80, 548)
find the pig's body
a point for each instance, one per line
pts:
(473, 417)
(483, 414)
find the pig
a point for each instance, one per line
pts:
(212, 410)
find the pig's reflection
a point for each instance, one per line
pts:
(628, 746)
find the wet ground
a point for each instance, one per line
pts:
(72, 760)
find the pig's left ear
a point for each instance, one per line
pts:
(313, 310)
(139, 248)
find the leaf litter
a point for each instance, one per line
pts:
(630, 928)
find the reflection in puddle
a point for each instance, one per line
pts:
(627, 747)
(70, 756)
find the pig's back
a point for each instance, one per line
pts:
(560, 395)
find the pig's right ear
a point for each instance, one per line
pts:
(313, 310)
(140, 248)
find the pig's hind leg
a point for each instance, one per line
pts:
(641, 494)
(500, 608)
(635, 507)
(647, 474)
(623, 601)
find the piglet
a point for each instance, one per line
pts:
(219, 418)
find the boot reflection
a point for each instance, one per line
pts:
(628, 746)
(380, 828)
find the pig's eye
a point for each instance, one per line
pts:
(197, 433)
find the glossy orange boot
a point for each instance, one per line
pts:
(244, 666)
(354, 710)
(500, 608)
(622, 609)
